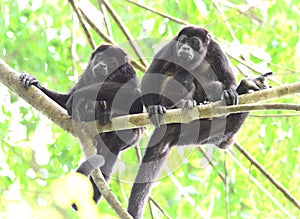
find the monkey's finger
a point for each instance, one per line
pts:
(160, 110)
(22, 75)
(192, 104)
(27, 83)
(105, 118)
(235, 98)
(230, 97)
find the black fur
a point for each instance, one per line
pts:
(108, 87)
(200, 73)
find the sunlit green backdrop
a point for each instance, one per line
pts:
(45, 39)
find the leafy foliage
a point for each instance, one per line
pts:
(47, 40)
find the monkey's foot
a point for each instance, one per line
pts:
(249, 85)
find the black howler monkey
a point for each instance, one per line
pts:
(108, 87)
(190, 69)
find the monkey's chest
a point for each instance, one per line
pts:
(175, 81)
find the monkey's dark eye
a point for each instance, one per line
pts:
(195, 42)
(182, 39)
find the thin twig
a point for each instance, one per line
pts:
(251, 67)
(160, 208)
(73, 48)
(126, 32)
(150, 208)
(211, 163)
(226, 189)
(105, 37)
(159, 13)
(268, 175)
(185, 194)
(223, 17)
(87, 33)
(259, 185)
(106, 19)
(108, 39)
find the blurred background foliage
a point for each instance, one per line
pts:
(45, 38)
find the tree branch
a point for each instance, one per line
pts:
(164, 15)
(268, 175)
(42, 103)
(10, 78)
(126, 32)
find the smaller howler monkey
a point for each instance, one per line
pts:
(108, 87)
(189, 69)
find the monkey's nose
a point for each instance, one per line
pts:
(186, 48)
(102, 65)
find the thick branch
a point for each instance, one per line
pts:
(42, 103)
(10, 78)
(211, 110)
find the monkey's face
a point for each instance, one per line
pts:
(190, 51)
(187, 48)
(103, 65)
(191, 46)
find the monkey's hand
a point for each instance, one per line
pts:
(249, 85)
(155, 114)
(230, 97)
(27, 80)
(185, 104)
(104, 117)
(103, 114)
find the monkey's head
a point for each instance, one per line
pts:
(191, 46)
(106, 59)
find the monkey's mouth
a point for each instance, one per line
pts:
(185, 56)
(98, 69)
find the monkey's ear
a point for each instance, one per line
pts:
(126, 59)
(208, 38)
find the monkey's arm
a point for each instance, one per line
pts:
(106, 91)
(119, 98)
(221, 66)
(179, 92)
(28, 80)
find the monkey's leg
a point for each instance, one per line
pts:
(28, 80)
(153, 160)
